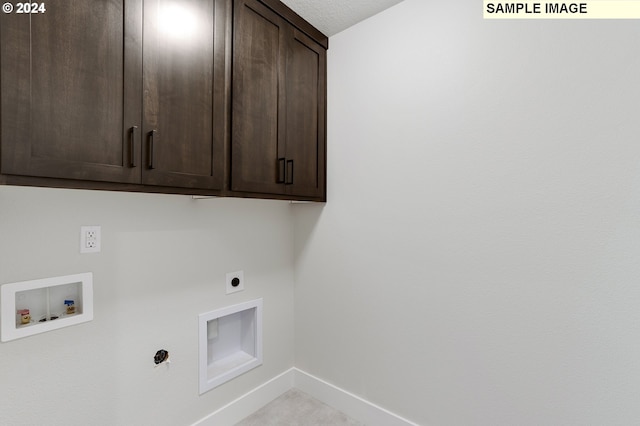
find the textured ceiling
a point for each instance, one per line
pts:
(333, 16)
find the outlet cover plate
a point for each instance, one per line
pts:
(90, 239)
(235, 282)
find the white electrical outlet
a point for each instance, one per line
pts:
(235, 282)
(90, 239)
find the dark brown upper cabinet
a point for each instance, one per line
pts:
(70, 85)
(278, 105)
(208, 97)
(81, 101)
(184, 93)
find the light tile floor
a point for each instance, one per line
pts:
(296, 408)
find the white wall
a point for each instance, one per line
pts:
(478, 260)
(163, 261)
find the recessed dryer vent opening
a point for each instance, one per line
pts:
(230, 343)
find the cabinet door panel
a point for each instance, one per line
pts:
(305, 106)
(181, 68)
(257, 141)
(66, 109)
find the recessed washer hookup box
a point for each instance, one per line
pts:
(37, 306)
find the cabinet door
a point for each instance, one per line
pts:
(70, 108)
(258, 120)
(183, 90)
(278, 112)
(305, 111)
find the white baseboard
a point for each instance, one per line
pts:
(352, 405)
(250, 402)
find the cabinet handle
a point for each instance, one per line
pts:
(132, 146)
(281, 170)
(152, 137)
(289, 173)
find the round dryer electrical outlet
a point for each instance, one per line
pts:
(235, 282)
